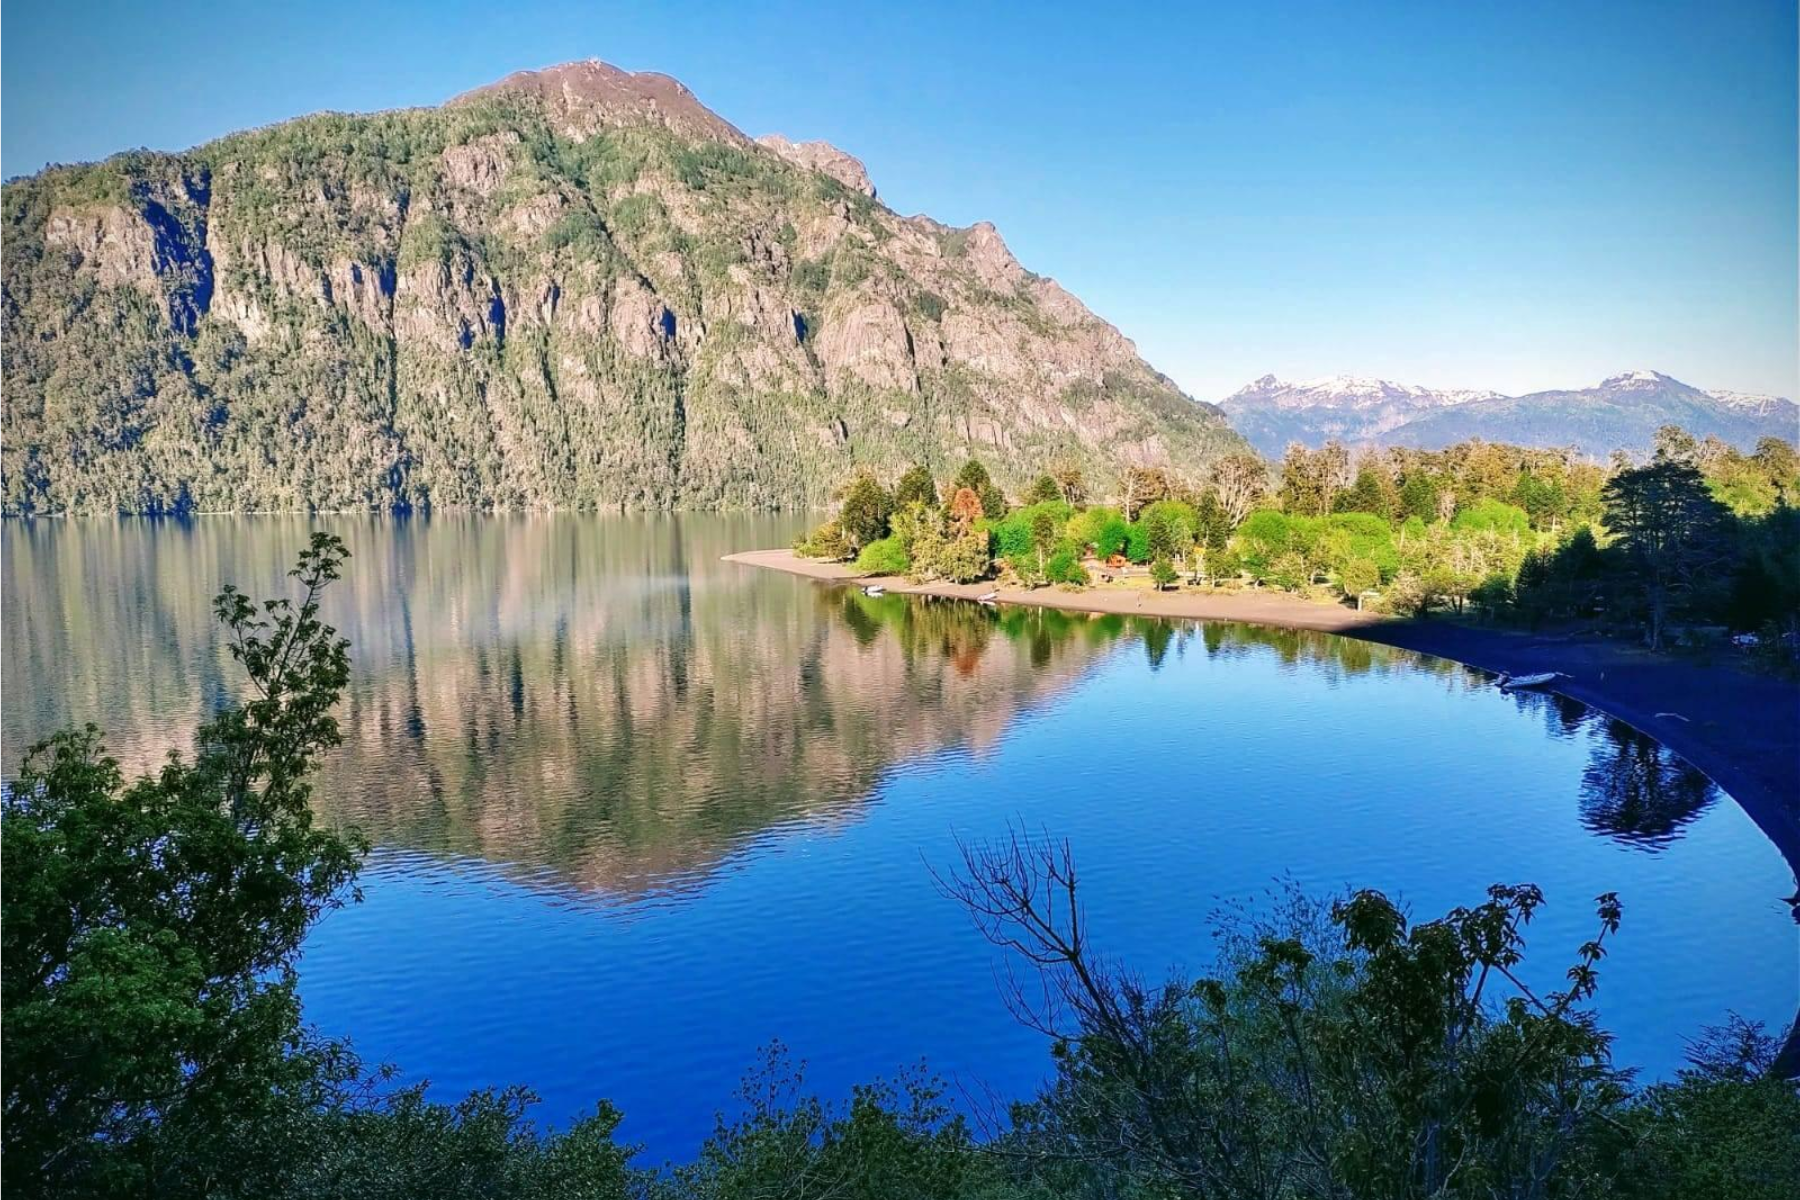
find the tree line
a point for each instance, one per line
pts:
(1700, 536)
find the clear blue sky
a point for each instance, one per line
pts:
(1514, 195)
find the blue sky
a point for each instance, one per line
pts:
(1514, 196)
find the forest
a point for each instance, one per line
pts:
(1701, 541)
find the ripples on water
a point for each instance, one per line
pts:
(638, 811)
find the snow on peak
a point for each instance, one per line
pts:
(1637, 379)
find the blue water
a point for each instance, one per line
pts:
(639, 812)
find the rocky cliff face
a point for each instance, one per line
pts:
(574, 288)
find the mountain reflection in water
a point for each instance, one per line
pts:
(636, 810)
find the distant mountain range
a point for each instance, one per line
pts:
(1622, 412)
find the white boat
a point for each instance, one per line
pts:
(874, 589)
(1510, 683)
(988, 597)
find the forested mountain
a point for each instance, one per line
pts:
(574, 288)
(1620, 413)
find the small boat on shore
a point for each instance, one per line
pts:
(874, 589)
(988, 597)
(1512, 683)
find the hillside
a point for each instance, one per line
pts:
(1622, 412)
(575, 288)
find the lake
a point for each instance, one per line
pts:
(638, 813)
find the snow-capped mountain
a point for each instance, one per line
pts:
(1622, 412)
(1272, 412)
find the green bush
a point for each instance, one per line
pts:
(885, 556)
(1137, 543)
(1064, 566)
(1496, 516)
(1013, 534)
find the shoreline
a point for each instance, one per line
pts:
(1741, 730)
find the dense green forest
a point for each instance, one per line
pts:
(154, 1043)
(505, 304)
(1702, 538)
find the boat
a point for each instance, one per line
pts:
(1511, 683)
(874, 589)
(988, 597)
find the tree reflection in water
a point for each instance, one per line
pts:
(1639, 793)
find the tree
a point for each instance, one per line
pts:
(974, 476)
(827, 542)
(965, 509)
(1044, 533)
(863, 515)
(1042, 490)
(1241, 481)
(1419, 496)
(1358, 576)
(1071, 480)
(915, 487)
(1163, 573)
(1168, 529)
(151, 927)
(1339, 1050)
(1671, 533)
(1674, 444)
(1311, 479)
(1373, 492)
(1212, 521)
(1143, 486)
(966, 557)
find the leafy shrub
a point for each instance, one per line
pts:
(884, 556)
(826, 542)
(1064, 566)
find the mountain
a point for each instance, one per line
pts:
(1622, 412)
(1270, 413)
(574, 288)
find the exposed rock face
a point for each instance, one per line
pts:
(583, 98)
(575, 288)
(823, 157)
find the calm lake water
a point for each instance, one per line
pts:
(639, 812)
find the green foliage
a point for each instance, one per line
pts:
(866, 508)
(1419, 496)
(1726, 1128)
(151, 927)
(1163, 573)
(965, 557)
(1359, 575)
(974, 476)
(884, 556)
(1263, 538)
(1137, 543)
(827, 542)
(915, 487)
(1344, 1049)
(1044, 488)
(1673, 537)
(1168, 528)
(1064, 567)
(1102, 528)
(1013, 533)
(1495, 516)
(1373, 492)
